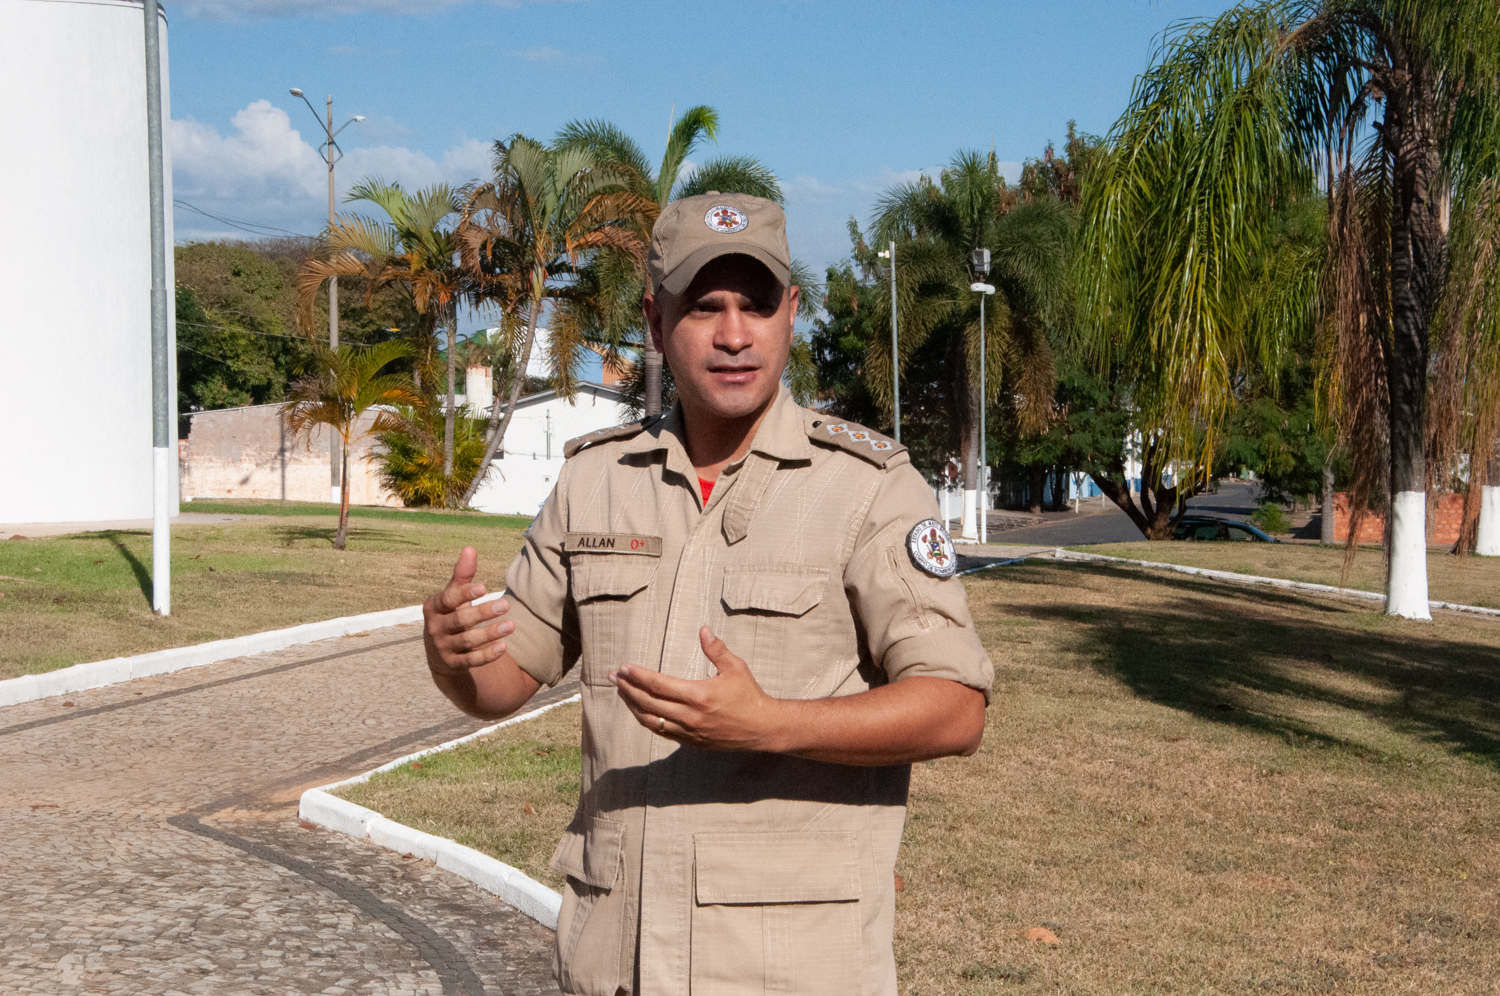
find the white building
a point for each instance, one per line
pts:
(521, 479)
(75, 262)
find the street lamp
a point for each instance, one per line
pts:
(895, 353)
(981, 261)
(331, 154)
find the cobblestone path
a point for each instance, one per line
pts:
(149, 840)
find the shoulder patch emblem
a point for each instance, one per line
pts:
(931, 550)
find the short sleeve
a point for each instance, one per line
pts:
(545, 643)
(915, 623)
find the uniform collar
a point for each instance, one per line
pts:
(782, 434)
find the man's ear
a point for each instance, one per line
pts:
(793, 295)
(652, 309)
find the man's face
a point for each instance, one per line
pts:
(727, 337)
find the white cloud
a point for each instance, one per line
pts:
(233, 10)
(267, 174)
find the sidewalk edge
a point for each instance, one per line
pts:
(1230, 576)
(510, 884)
(97, 674)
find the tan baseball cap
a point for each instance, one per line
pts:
(694, 230)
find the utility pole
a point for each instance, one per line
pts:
(331, 154)
(161, 418)
(895, 349)
(981, 260)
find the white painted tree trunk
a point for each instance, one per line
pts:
(1488, 541)
(1406, 591)
(971, 521)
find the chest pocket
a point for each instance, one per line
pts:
(610, 590)
(770, 621)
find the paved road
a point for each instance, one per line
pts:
(151, 841)
(1234, 500)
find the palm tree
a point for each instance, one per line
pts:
(622, 281)
(1393, 108)
(344, 386)
(415, 248)
(544, 211)
(936, 227)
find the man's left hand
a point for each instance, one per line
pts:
(729, 711)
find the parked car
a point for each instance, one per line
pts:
(1207, 528)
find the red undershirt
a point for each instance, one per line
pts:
(707, 487)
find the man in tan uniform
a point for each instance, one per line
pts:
(761, 608)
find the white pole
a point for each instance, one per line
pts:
(984, 470)
(161, 422)
(1488, 541)
(895, 348)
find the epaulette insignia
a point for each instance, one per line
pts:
(625, 431)
(854, 438)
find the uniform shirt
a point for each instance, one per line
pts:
(693, 871)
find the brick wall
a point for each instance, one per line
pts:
(1442, 526)
(247, 453)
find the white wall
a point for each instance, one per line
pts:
(75, 267)
(521, 481)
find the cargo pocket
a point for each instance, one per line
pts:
(608, 588)
(776, 913)
(764, 607)
(591, 925)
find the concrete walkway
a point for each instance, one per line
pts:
(37, 530)
(151, 842)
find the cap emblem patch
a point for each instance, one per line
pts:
(931, 550)
(726, 220)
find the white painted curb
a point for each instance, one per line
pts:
(1323, 589)
(79, 677)
(512, 885)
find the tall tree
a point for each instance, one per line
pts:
(1394, 107)
(936, 227)
(343, 387)
(544, 211)
(416, 247)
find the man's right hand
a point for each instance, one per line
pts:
(458, 634)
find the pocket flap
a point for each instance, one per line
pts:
(756, 868)
(607, 576)
(790, 591)
(593, 856)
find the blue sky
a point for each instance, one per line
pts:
(842, 100)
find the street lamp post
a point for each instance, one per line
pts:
(331, 154)
(895, 351)
(981, 260)
(161, 341)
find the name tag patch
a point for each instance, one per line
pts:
(643, 546)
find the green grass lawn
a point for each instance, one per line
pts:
(1198, 788)
(71, 599)
(1466, 580)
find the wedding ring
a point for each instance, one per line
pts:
(661, 724)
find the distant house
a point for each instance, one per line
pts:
(247, 453)
(521, 478)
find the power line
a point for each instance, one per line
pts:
(244, 226)
(225, 328)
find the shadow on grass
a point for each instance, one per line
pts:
(1200, 646)
(292, 534)
(141, 571)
